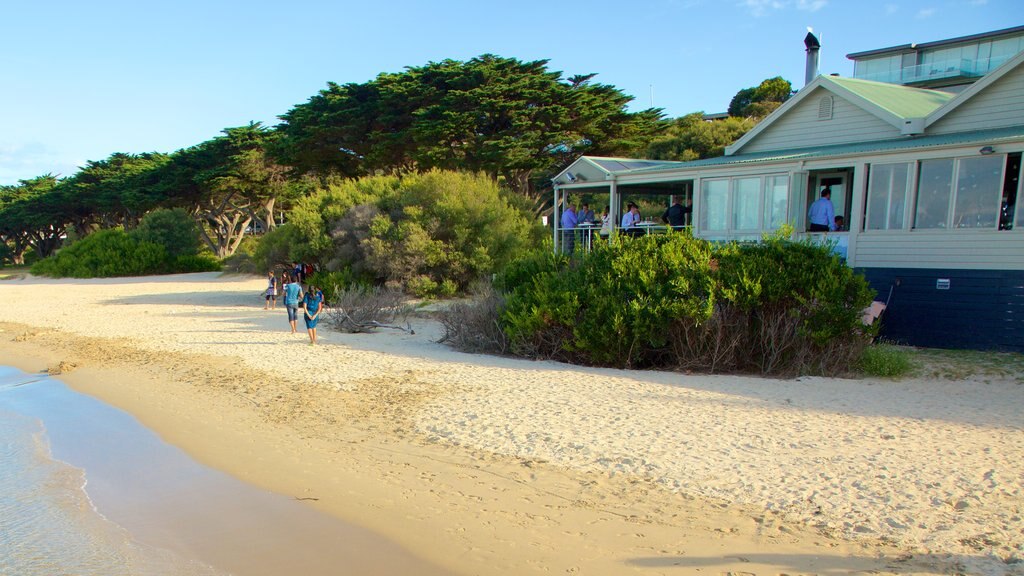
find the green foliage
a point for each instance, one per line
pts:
(104, 254)
(885, 361)
(431, 234)
(275, 249)
(332, 283)
(691, 137)
(495, 115)
(195, 263)
(114, 252)
(759, 101)
(174, 229)
(775, 307)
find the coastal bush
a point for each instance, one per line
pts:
(431, 234)
(105, 253)
(334, 283)
(174, 229)
(674, 301)
(884, 361)
(113, 252)
(195, 263)
(475, 325)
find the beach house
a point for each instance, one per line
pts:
(921, 152)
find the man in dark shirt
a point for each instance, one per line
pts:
(677, 215)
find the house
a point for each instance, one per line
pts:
(927, 178)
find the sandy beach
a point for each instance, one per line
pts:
(487, 465)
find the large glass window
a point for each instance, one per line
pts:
(776, 201)
(887, 196)
(715, 204)
(978, 192)
(934, 189)
(960, 193)
(744, 204)
(746, 210)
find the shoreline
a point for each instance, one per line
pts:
(380, 437)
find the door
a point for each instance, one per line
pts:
(836, 184)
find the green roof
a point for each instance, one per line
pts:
(903, 101)
(987, 136)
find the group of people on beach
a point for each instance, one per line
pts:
(289, 288)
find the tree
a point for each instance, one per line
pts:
(759, 101)
(33, 215)
(691, 137)
(227, 184)
(509, 119)
(111, 192)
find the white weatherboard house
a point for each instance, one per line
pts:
(928, 179)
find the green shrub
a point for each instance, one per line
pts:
(884, 361)
(114, 252)
(274, 249)
(675, 301)
(174, 229)
(196, 263)
(104, 254)
(333, 283)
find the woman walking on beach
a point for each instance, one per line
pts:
(313, 304)
(292, 293)
(271, 293)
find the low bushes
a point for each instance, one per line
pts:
(163, 243)
(674, 301)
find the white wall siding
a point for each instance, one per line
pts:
(998, 105)
(801, 128)
(958, 249)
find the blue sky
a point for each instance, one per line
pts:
(82, 80)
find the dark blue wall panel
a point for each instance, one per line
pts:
(982, 309)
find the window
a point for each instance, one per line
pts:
(746, 210)
(888, 188)
(714, 204)
(974, 201)
(978, 192)
(776, 201)
(744, 204)
(934, 187)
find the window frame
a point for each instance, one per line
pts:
(731, 228)
(909, 197)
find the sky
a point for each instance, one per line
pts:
(80, 81)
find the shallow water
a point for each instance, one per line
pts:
(48, 524)
(86, 490)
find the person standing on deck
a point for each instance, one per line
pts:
(822, 214)
(569, 229)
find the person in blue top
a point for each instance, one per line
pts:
(313, 304)
(292, 293)
(630, 219)
(569, 222)
(822, 214)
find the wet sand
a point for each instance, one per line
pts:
(166, 501)
(499, 466)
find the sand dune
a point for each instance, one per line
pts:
(502, 466)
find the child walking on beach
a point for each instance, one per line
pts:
(313, 304)
(271, 293)
(292, 293)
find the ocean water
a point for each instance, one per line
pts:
(48, 523)
(86, 490)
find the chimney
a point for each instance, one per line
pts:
(812, 44)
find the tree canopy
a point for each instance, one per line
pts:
(761, 100)
(509, 119)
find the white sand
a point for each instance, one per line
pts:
(933, 467)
